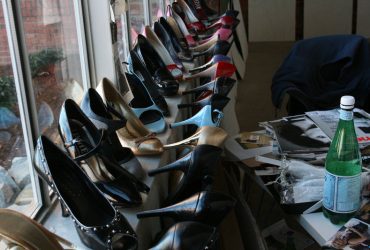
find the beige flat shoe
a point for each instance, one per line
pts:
(134, 135)
(18, 231)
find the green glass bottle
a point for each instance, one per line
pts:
(343, 168)
(290, 245)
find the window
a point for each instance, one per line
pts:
(156, 10)
(54, 46)
(16, 188)
(137, 18)
(54, 57)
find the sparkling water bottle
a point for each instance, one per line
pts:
(343, 168)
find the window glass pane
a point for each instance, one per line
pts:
(52, 45)
(137, 18)
(156, 10)
(16, 189)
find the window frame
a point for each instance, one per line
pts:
(25, 92)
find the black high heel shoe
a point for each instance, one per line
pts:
(155, 89)
(215, 100)
(221, 86)
(168, 86)
(198, 167)
(188, 235)
(93, 107)
(88, 146)
(98, 223)
(206, 207)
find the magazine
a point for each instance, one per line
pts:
(355, 234)
(327, 121)
(299, 134)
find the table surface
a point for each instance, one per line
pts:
(64, 227)
(319, 227)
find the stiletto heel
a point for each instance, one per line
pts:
(205, 117)
(217, 102)
(65, 212)
(198, 165)
(221, 86)
(217, 70)
(188, 235)
(205, 135)
(215, 59)
(98, 223)
(206, 207)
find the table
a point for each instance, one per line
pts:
(320, 228)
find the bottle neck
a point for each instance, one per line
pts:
(346, 114)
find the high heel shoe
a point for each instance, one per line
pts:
(167, 42)
(133, 135)
(168, 86)
(191, 21)
(221, 86)
(198, 167)
(144, 107)
(188, 235)
(221, 34)
(190, 41)
(217, 70)
(137, 67)
(97, 221)
(21, 232)
(205, 135)
(89, 147)
(206, 207)
(215, 59)
(93, 107)
(207, 116)
(175, 34)
(216, 101)
(162, 51)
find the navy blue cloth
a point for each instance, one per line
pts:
(318, 71)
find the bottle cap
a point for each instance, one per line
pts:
(347, 102)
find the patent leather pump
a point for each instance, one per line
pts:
(207, 116)
(163, 52)
(155, 89)
(206, 207)
(198, 167)
(88, 146)
(98, 223)
(189, 38)
(216, 101)
(188, 235)
(158, 70)
(217, 70)
(144, 107)
(93, 107)
(221, 86)
(133, 135)
(205, 135)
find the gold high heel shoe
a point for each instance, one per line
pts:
(20, 232)
(134, 135)
(205, 135)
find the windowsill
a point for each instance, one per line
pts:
(146, 229)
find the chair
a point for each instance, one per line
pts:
(318, 71)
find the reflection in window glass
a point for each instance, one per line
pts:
(156, 10)
(137, 18)
(52, 45)
(16, 191)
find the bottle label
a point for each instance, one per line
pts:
(346, 115)
(342, 193)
